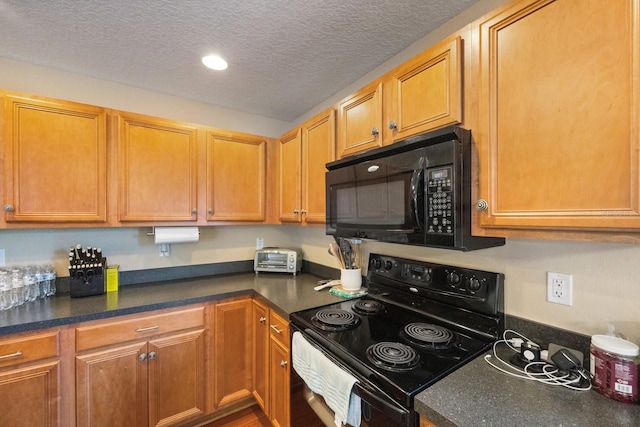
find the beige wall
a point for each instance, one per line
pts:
(606, 276)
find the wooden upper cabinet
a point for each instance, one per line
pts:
(157, 169)
(425, 92)
(236, 177)
(559, 115)
(55, 155)
(318, 148)
(304, 152)
(290, 165)
(360, 120)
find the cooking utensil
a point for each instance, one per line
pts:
(329, 284)
(334, 250)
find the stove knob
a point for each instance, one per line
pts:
(473, 284)
(453, 278)
(376, 263)
(388, 265)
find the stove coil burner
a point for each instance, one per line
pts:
(428, 336)
(367, 306)
(335, 320)
(393, 356)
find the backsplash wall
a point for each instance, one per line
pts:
(606, 277)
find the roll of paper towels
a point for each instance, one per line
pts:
(176, 235)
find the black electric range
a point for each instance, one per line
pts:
(419, 322)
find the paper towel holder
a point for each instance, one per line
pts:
(164, 236)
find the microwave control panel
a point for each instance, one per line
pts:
(440, 200)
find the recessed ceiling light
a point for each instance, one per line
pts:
(214, 62)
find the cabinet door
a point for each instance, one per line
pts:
(111, 387)
(279, 383)
(260, 321)
(232, 352)
(426, 92)
(157, 161)
(176, 378)
(290, 170)
(30, 396)
(55, 161)
(318, 148)
(236, 177)
(360, 120)
(558, 135)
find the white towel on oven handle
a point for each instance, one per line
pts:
(326, 379)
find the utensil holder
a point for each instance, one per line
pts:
(87, 281)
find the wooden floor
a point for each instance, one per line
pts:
(301, 415)
(250, 417)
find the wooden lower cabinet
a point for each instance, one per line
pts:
(260, 322)
(30, 381)
(156, 380)
(271, 364)
(426, 423)
(232, 352)
(279, 379)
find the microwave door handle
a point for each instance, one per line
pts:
(417, 197)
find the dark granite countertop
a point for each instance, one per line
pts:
(285, 292)
(479, 395)
(474, 395)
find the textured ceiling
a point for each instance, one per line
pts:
(285, 57)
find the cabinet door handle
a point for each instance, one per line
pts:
(481, 205)
(295, 211)
(304, 211)
(210, 211)
(263, 319)
(276, 329)
(194, 211)
(283, 363)
(374, 131)
(142, 357)
(9, 208)
(8, 356)
(152, 355)
(149, 328)
(393, 125)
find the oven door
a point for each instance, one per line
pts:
(378, 409)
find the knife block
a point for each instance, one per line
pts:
(84, 282)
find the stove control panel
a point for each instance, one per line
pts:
(444, 282)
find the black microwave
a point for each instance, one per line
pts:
(416, 191)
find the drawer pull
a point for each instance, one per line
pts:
(276, 329)
(8, 356)
(150, 328)
(283, 363)
(263, 319)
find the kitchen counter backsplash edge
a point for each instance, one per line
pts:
(154, 289)
(153, 275)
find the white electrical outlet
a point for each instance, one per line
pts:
(560, 288)
(259, 243)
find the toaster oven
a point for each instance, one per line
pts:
(278, 260)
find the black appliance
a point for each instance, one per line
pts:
(416, 191)
(419, 322)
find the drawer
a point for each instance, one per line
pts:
(29, 348)
(279, 328)
(143, 327)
